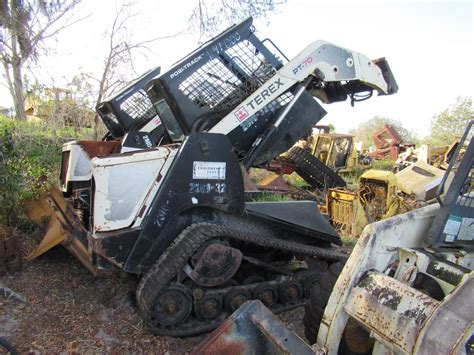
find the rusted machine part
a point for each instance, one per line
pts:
(208, 307)
(173, 305)
(252, 329)
(452, 318)
(273, 183)
(386, 137)
(235, 298)
(10, 251)
(387, 142)
(380, 303)
(267, 293)
(216, 264)
(64, 227)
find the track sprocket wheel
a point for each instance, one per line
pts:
(172, 306)
(235, 297)
(266, 293)
(208, 307)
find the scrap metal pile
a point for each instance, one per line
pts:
(324, 159)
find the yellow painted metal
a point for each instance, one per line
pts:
(335, 150)
(63, 227)
(54, 236)
(375, 199)
(346, 211)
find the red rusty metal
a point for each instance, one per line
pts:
(99, 148)
(252, 329)
(386, 137)
(277, 184)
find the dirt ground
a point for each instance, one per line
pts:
(65, 309)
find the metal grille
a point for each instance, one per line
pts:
(138, 106)
(467, 194)
(211, 84)
(222, 85)
(251, 61)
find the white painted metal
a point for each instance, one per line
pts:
(381, 248)
(123, 183)
(308, 62)
(79, 165)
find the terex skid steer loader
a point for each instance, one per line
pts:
(176, 213)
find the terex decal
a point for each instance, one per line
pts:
(303, 64)
(265, 94)
(241, 113)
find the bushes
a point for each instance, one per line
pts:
(383, 164)
(30, 157)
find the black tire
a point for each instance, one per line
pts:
(5, 346)
(320, 293)
(313, 171)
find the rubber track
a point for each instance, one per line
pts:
(174, 258)
(313, 171)
(316, 304)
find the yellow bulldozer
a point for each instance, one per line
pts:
(375, 199)
(337, 151)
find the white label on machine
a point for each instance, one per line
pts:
(449, 238)
(209, 170)
(467, 229)
(452, 225)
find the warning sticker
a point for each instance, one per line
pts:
(467, 229)
(209, 170)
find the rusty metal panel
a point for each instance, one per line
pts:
(449, 328)
(10, 251)
(64, 227)
(389, 308)
(252, 329)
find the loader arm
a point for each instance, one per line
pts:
(324, 63)
(326, 71)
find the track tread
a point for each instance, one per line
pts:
(314, 308)
(313, 171)
(174, 258)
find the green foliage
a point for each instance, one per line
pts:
(363, 133)
(383, 165)
(268, 196)
(449, 125)
(30, 157)
(348, 241)
(352, 178)
(296, 181)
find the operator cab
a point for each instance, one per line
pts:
(130, 116)
(197, 92)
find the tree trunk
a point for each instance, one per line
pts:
(18, 95)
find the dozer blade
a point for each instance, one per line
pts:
(64, 227)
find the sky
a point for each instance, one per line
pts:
(428, 44)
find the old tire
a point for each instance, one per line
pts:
(313, 171)
(320, 293)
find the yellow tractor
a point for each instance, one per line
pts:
(375, 199)
(337, 151)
